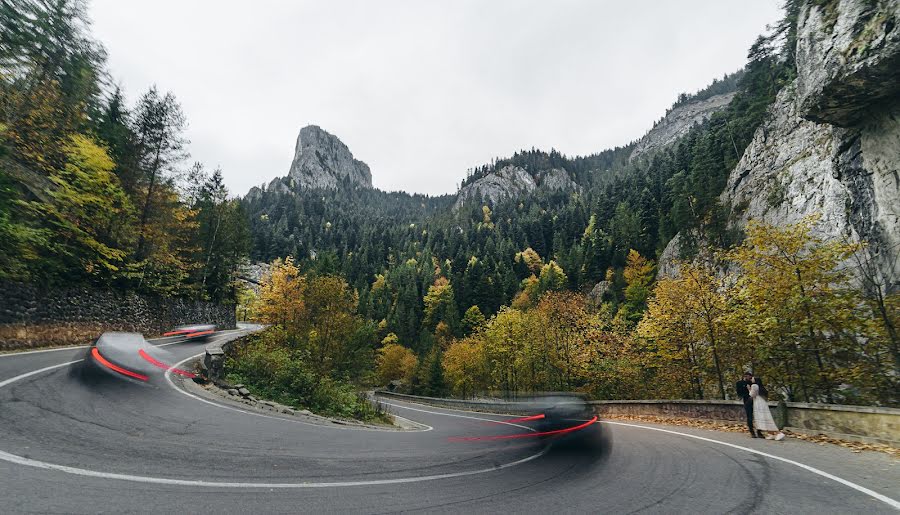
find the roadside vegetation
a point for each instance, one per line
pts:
(782, 303)
(554, 291)
(272, 369)
(318, 354)
(94, 188)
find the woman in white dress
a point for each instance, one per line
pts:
(762, 416)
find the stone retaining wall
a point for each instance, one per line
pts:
(31, 316)
(855, 423)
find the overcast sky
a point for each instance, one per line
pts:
(420, 90)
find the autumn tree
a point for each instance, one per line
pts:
(638, 275)
(281, 298)
(464, 367)
(331, 321)
(472, 321)
(440, 306)
(795, 304)
(394, 361)
(531, 260)
(684, 328)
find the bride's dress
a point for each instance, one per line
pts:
(762, 416)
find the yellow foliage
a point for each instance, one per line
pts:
(394, 361)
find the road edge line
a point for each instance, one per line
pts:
(871, 493)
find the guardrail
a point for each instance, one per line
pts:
(854, 423)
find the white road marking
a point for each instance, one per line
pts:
(36, 372)
(168, 376)
(883, 498)
(25, 353)
(12, 458)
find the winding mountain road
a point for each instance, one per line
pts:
(68, 445)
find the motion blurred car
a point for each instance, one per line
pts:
(129, 356)
(193, 332)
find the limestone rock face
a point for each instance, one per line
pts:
(508, 182)
(322, 161)
(599, 291)
(831, 146)
(678, 122)
(557, 179)
(786, 173)
(848, 59)
(511, 182)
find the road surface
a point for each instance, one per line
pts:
(68, 445)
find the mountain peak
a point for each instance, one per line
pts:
(322, 161)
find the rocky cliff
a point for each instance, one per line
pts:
(321, 161)
(512, 182)
(508, 182)
(678, 122)
(831, 145)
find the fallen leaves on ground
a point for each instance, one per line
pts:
(856, 447)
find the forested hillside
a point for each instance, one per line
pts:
(376, 238)
(518, 286)
(97, 189)
(540, 273)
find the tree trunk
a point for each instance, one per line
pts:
(145, 212)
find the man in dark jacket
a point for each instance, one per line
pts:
(743, 391)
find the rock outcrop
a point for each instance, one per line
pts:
(508, 182)
(322, 161)
(678, 122)
(511, 182)
(831, 146)
(848, 59)
(557, 179)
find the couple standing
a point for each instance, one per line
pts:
(751, 390)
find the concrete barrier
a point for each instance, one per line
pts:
(854, 423)
(486, 406)
(212, 364)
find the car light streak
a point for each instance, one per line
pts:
(201, 333)
(524, 419)
(176, 333)
(524, 435)
(163, 366)
(124, 371)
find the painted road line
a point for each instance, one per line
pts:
(19, 460)
(36, 372)
(871, 493)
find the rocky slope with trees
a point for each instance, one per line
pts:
(763, 214)
(769, 199)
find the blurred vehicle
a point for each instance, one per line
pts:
(129, 356)
(560, 420)
(193, 332)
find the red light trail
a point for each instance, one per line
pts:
(524, 435)
(124, 371)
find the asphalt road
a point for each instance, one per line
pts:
(74, 445)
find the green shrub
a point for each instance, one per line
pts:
(271, 370)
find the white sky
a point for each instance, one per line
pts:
(420, 90)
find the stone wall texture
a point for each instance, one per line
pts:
(31, 316)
